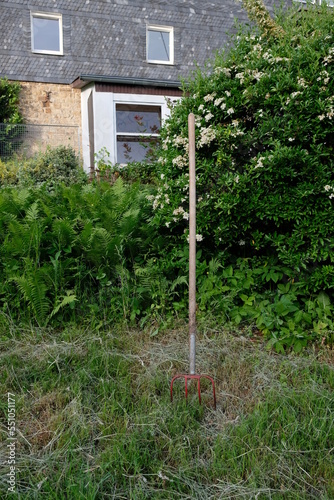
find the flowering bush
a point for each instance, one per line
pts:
(264, 122)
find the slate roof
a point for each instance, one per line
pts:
(108, 37)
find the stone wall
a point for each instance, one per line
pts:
(50, 104)
(56, 110)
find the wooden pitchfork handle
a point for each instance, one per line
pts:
(192, 272)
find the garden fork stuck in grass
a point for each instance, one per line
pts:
(192, 273)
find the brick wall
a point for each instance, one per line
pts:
(58, 108)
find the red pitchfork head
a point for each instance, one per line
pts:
(194, 377)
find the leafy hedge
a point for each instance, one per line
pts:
(264, 157)
(10, 136)
(51, 167)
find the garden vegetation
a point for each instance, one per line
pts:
(94, 283)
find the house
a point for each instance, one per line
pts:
(107, 66)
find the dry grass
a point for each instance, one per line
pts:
(97, 402)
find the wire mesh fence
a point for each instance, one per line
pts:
(28, 139)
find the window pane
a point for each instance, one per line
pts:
(46, 34)
(134, 149)
(138, 119)
(158, 45)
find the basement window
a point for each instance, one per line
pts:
(137, 131)
(46, 33)
(160, 44)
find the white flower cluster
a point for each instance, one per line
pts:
(159, 200)
(251, 73)
(180, 211)
(180, 161)
(225, 71)
(323, 75)
(330, 189)
(199, 237)
(241, 77)
(236, 131)
(302, 82)
(330, 110)
(209, 97)
(330, 58)
(259, 163)
(271, 59)
(165, 144)
(260, 160)
(280, 59)
(178, 140)
(207, 135)
(218, 101)
(208, 117)
(257, 47)
(293, 95)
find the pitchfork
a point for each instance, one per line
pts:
(192, 274)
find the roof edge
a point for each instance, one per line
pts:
(83, 80)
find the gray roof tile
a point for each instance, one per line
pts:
(109, 37)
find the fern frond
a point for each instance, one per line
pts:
(67, 299)
(34, 292)
(32, 213)
(214, 265)
(180, 280)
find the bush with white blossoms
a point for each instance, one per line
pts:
(264, 120)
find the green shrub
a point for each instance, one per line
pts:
(10, 136)
(54, 166)
(264, 151)
(8, 172)
(264, 161)
(143, 172)
(9, 101)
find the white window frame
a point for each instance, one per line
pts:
(47, 15)
(105, 118)
(165, 29)
(135, 134)
(329, 3)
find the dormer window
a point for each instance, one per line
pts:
(160, 45)
(46, 33)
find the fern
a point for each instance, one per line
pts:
(68, 299)
(32, 213)
(34, 292)
(180, 280)
(64, 231)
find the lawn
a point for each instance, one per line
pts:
(94, 417)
